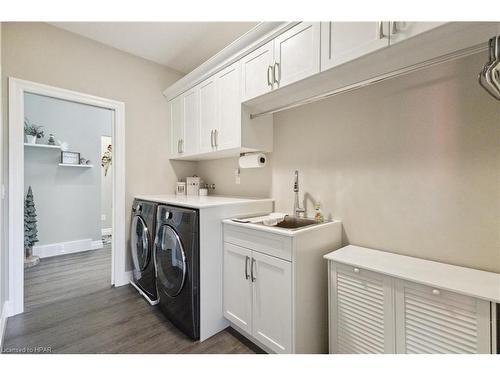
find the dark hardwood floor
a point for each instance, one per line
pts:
(70, 307)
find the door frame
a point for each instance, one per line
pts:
(17, 89)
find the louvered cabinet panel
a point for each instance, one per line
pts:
(362, 319)
(430, 320)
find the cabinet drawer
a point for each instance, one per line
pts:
(264, 242)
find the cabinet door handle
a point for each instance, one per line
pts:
(182, 145)
(251, 271)
(394, 28)
(247, 258)
(216, 133)
(381, 34)
(212, 138)
(356, 270)
(277, 72)
(270, 78)
(178, 146)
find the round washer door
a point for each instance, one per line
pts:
(170, 261)
(140, 243)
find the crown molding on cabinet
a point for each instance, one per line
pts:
(248, 42)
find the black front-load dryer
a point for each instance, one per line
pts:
(142, 233)
(177, 267)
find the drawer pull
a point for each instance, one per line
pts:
(356, 270)
(436, 292)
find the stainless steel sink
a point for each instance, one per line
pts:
(293, 223)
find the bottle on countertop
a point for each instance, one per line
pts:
(318, 215)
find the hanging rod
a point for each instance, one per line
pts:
(380, 78)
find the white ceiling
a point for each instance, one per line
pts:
(179, 45)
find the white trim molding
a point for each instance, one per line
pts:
(68, 247)
(4, 314)
(17, 89)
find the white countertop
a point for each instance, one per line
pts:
(196, 201)
(255, 223)
(468, 281)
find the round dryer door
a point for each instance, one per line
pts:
(140, 243)
(170, 261)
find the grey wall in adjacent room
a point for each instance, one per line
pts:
(67, 199)
(411, 165)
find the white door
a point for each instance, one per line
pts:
(297, 53)
(362, 311)
(257, 67)
(272, 302)
(208, 114)
(402, 30)
(238, 286)
(191, 143)
(430, 320)
(176, 126)
(345, 41)
(228, 132)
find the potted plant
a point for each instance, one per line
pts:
(32, 131)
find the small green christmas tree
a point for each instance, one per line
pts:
(30, 229)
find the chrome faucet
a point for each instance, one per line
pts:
(297, 210)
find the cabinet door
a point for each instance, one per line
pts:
(402, 30)
(228, 131)
(429, 320)
(345, 41)
(238, 286)
(176, 126)
(297, 53)
(191, 142)
(257, 72)
(361, 312)
(272, 302)
(208, 114)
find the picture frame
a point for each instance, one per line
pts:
(70, 157)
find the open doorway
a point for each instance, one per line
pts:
(66, 194)
(68, 199)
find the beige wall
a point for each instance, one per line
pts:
(45, 54)
(411, 165)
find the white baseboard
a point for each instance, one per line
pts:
(60, 248)
(107, 231)
(4, 313)
(124, 279)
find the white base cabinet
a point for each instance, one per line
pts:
(375, 312)
(274, 289)
(430, 320)
(249, 302)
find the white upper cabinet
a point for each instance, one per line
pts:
(345, 41)
(257, 72)
(176, 126)
(402, 30)
(290, 57)
(228, 130)
(296, 53)
(191, 141)
(208, 114)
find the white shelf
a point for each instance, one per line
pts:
(42, 146)
(76, 165)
